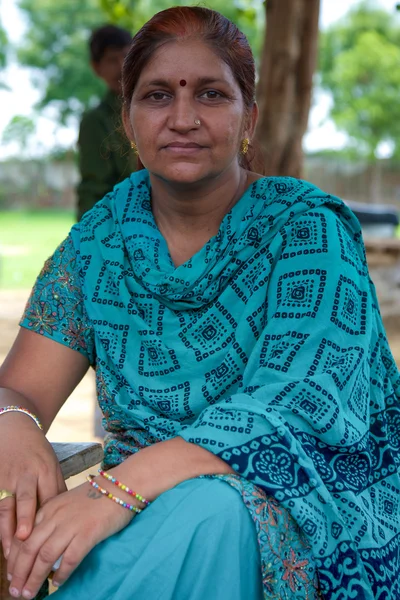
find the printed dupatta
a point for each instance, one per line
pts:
(266, 348)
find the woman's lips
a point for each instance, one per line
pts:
(183, 148)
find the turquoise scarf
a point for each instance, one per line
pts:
(267, 349)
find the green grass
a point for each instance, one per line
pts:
(27, 239)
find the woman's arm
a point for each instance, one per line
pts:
(71, 524)
(39, 374)
(159, 467)
(55, 344)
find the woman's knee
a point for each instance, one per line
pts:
(213, 500)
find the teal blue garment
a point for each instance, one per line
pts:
(266, 348)
(196, 541)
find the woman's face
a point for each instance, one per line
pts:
(186, 82)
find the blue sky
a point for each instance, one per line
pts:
(22, 95)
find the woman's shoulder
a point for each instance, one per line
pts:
(281, 184)
(117, 197)
(119, 192)
(295, 192)
(107, 216)
(289, 201)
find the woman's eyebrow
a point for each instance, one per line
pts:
(200, 81)
(156, 83)
(210, 80)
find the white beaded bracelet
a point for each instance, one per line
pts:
(11, 408)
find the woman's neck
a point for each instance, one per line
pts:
(195, 209)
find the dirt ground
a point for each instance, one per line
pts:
(75, 420)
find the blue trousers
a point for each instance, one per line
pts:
(195, 542)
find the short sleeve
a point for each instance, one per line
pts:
(56, 307)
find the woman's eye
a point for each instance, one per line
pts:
(158, 96)
(211, 95)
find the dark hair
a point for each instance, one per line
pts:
(184, 22)
(108, 36)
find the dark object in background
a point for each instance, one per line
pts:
(376, 220)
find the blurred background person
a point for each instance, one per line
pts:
(105, 157)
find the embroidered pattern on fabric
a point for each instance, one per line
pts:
(56, 306)
(273, 332)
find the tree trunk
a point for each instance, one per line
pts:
(285, 87)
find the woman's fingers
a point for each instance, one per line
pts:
(29, 576)
(73, 556)
(31, 491)
(13, 555)
(36, 557)
(26, 505)
(7, 524)
(34, 560)
(50, 486)
(68, 525)
(23, 549)
(61, 487)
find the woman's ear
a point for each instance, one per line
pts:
(127, 125)
(252, 121)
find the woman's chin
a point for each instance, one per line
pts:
(184, 174)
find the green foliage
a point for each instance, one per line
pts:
(349, 154)
(247, 14)
(126, 13)
(360, 66)
(19, 130)
(3, 47)
(56, 42)
(56, 45)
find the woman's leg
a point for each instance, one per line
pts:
(195, 542)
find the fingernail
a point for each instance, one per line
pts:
(57, 563)
(6, 552)
(14, 592)
(9, 576)
(27, 594)
(56, 584)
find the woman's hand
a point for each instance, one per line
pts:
(69, 525)
(30, 469)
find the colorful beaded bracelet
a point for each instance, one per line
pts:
(21, 409)
(90, 479)
(123, 487)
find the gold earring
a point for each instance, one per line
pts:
(134, 148)
(245, 146)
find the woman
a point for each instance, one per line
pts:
(235, 335)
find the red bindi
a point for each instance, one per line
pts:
(182, 82)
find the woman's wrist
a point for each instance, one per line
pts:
(19, 422)
(132, 504)
(124, 487)
(9, 397)
(112, 492)
(162, 466)
(11, 408)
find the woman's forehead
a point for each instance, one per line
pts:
(191, 60)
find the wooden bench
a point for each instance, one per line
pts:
(382, 251)
(73, 458)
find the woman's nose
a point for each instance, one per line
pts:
(183, 114)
